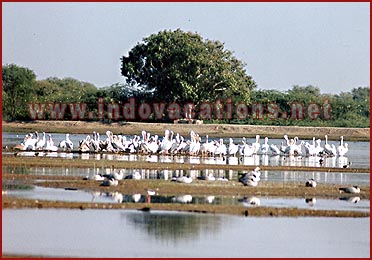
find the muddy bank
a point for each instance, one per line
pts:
(20, 161)
(213, 130)
(196, 188)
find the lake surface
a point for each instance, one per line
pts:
(127, 233)
(359, 154)
(350, 203)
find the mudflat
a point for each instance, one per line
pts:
(213, 130)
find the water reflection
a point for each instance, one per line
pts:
(352, 203)
(254, 160)
(127, 234)
(166, 226)
(165, 174)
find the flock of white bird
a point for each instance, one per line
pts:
(172, 144)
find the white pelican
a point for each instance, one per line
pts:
(329, 149)
(95, 142)
(40, 144)
(311, 183)
(194, 144)
(353, 189)
(274, 149)
(50, 144)
(95, 177)
(110, 182)
(256, 145)
(245, 149)
(209, 177)
(310, 201)
(136, 197)
(66, 144)
(84, 145)
(205, 148)
(135, 176)
(221, 149)
(184, 179)
(166, 143)
(265, 147)
(342, 149)
(183, 199)
(210, 199)
(310, 148)
(248, 180)
(30, 143)
(233, 148)
(318, 148)
(251, 201)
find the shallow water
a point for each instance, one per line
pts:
(343, 178)
(359, 154)
(127, 233)
(40, 193)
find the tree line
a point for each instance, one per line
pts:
(182, 67)
(20, 88)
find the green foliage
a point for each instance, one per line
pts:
(17, 85)
(349, 109)
(179, 66)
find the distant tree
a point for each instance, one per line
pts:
(17, 83)
(182, 67)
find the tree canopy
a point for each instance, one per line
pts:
(17, 85)
(179, 66)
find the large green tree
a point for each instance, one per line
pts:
(17, 83)
(182, 67)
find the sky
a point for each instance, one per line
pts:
(326, 45)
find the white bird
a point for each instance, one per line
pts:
(342, 149)
(210, 199)
(329, 149)
(221, 149)
(110, 182)
(251, 201)
(248, 180)
(66, 144)
(166, 143)
(195, 144)
(353, 189)
(311, 183)
(310, 148)
(318, 148)
(136, 197)
(256, 145)
(209, 177)
(30, 143)
(310, 201)
(135, 176)
(233, 148)
(265, 147)
(245, 149)
(274, 149)
(40, 144)
(183, 179)
(50, 144)
(183, 199)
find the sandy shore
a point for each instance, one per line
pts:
(213, 130)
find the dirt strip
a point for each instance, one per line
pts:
(80, 163)
(213, 130)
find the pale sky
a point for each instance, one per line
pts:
(283, 44)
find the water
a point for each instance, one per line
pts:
(343, 178)
(53, 194)
(359, 154)
(127, 233)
